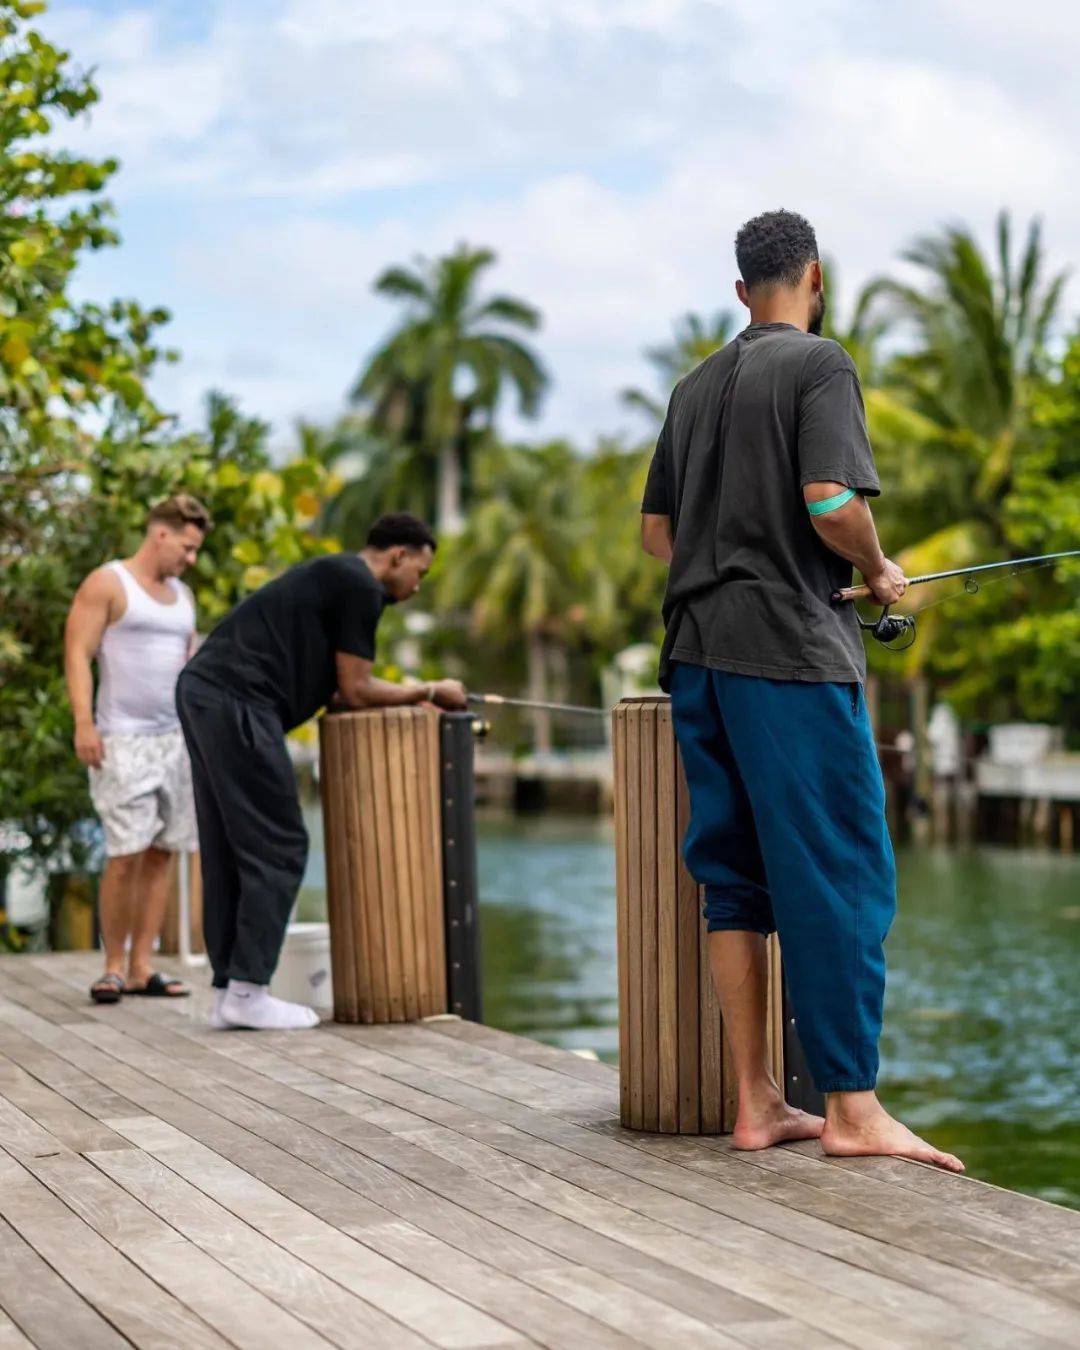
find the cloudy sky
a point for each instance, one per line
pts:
(278, 153)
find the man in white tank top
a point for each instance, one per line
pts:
(137, 619)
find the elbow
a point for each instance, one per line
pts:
(655, 540)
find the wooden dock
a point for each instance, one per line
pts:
(165, 1185)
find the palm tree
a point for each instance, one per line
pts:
(516, 567)
(981, 341)
(377, 475)
(439, 377)
(958, 401)
(867, 326)
(696, 337)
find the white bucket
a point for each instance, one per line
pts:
(303, 973)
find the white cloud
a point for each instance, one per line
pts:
(607, 149)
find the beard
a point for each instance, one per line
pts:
(817, 314)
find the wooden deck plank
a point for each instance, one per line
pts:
(48, 1311)
(873, 1222)
(439, 1242)
(500, 1163)
(618, 1260)
(1012, 1238)
(520, 1144)
(992, 1219)
(623, 1221)
(61, 1121)
(337, 1156)
(320, 1276)
(207, 1286)
(138, 1307)
(488, 1079)
(11, 1338)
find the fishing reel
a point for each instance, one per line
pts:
(890, 629)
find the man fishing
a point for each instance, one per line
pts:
(294, 646)
(757, 499)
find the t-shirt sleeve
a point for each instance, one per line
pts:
(834, 446)
(357, 621)
(657, 498)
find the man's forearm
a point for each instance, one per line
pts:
(80, 685)
(376, 693)
(851, 533)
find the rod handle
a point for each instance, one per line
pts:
(851, 593)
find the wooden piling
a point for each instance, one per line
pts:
(675, 1069)
(169, 944)
(383, 845)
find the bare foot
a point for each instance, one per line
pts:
(773, 1122)
(881, 1135)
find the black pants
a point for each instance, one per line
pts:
(252, 840)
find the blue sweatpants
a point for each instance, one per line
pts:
(787, 832)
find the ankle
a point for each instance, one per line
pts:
(760, 1092)
(848, 1110)
(245, 988)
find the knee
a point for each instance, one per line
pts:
(125, 866)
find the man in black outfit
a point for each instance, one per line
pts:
(289, 649)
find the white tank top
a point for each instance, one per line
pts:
(139, 659)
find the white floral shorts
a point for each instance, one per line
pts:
(142, 793)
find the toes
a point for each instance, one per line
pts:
(947, 1160)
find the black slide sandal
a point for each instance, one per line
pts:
(160, 985)
(107, 989)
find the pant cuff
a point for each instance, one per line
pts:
(847, 1085)
(736, 926)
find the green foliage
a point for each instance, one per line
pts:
(695, 338)
(84, 450)
(1023, 657)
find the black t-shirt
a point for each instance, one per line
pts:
(277, 646)
(750, 580)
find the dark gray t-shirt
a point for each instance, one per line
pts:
(750, 580)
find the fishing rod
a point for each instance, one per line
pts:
(888, 628)
(498, 699)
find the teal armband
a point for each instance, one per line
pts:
(828, 504)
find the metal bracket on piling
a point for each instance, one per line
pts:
(799, 1089)
(457, 796)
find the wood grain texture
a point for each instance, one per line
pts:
(690, 936)
(453, 1184)
(667, 923)
(650, 953)
(367, 866)
(382, 829)
(634, 824)
(622, 926)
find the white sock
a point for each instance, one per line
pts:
(252, 1005)
(215, 1018)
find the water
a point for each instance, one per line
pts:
(982, 1036)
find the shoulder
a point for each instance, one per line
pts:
(102, 585)
(705, 376)
(824, 358)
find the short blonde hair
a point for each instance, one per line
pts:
(179, 510)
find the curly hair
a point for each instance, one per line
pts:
(775, 248)
(400, 528)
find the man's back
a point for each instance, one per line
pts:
(749, 584)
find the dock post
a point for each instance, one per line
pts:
(458, 797)
(383, 829)
(675, 1073)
